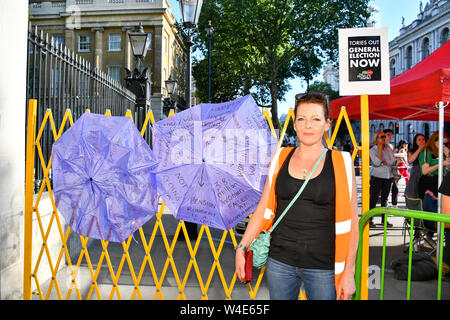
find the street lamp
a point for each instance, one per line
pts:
(138, 81)
(171, 87)
(139, 41)
(209, 30)
(190, 11)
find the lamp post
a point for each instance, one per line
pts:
(209, 30)
(138, 81)
(171, 87)
(190, 11)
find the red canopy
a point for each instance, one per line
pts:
(414, 93)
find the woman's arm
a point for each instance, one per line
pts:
(346, 287)
(427, 169)
(373, 153)
(412, 156)
(252, 231)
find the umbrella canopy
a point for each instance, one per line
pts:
(102, 177)
(213, 161)
(414, 92)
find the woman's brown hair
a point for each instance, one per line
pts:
(313, 97)
(431, 143)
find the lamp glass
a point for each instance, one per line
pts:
(171, 86)
(190, 11)
(139, 43)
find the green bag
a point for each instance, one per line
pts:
(260, 246)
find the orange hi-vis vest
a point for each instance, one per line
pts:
(343, 175)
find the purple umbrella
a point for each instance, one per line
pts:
(213, 161)
(102, 177)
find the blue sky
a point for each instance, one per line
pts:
(390, 15)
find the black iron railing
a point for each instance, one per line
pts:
(60, 79)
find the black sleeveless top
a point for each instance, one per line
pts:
(305, 237)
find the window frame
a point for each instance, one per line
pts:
(79, 43)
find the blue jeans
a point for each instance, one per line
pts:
(284, 282)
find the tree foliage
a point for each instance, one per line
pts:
(258, 45)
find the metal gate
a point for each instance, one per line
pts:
(52, 271)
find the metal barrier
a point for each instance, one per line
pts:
(412, 215)
(48, 260)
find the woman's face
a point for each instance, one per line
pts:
(420, 140)
(310, 123)
(436, 143)
(381, 139)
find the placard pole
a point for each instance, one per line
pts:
(365, 144)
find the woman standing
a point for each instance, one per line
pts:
(316, 241)
(382, 158)
(429, 164)
(412, 186)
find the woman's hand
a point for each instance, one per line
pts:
(240, 264)
(421, 147)
(446, 162)
(346, 287)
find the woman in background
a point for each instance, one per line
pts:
(429, 164)
(382, 158)
(412, 186)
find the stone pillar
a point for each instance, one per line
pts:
(128, 56)
(98, 47)
(13, 32)
(69, 39)
(157, 80)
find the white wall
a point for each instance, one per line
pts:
(13, 39)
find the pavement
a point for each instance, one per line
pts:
(205, 262)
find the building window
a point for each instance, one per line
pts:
(426, 130)
(55, 82)
(114, 42)
(84, 43)
(114, 72)
(58, 40)
(409, 57)
(410, 132)
(165, 45)
(392, 68)
(391, 126)
(149, 44)
(425, 48)
(444, 36)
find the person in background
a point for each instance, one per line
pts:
(394, 189)
(429, 164)
(382, 158)
(412, 186)
(444, 189)
(402, 159)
